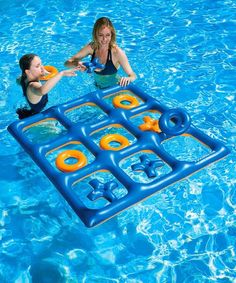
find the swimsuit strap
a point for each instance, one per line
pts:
(93, 55)
(31, 82)
(109, 55)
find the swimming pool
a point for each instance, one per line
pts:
(184, 55)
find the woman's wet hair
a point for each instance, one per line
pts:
(103, 22)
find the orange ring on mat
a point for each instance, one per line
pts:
(106, 140)
(52, 72)
(64, 167)
(117, 101)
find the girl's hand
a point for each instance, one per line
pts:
(45, 72)
(70, 72)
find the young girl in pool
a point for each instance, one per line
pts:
(104, 48)
(34, 91)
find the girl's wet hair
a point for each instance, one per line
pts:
(103, 22)
(25, 63)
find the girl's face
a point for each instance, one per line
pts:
(104, 36)
(36, 69)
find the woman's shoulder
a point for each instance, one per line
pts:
(88, 48)
(115, 48)
(117, 51)
(91, 45)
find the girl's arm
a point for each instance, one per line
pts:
(38, 89)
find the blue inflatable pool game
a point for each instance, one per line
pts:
(112, 148)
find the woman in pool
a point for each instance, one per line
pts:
(36, 93)
(104, 48)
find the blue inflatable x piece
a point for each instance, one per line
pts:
(93, 65)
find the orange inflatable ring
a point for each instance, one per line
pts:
(106, 140)
(52, 72)
(117, 101)
(64, 167)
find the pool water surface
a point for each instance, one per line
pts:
(183, 53)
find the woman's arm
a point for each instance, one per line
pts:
(75, 60)
(124, 62)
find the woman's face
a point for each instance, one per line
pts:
(36, 68)
(104, 36)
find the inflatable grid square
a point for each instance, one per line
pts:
(131, 168)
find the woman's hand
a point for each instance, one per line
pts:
(81, 66)
(124, 81)
(75, 62)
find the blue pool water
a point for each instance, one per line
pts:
(184, 54)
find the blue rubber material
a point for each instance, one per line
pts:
(175, 122)
(172, 122)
